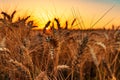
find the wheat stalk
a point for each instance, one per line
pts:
(46, 25)
(101, 44)
(93, 55)
(73, 22)
(60, 67)
(42, 76)
(58, 23)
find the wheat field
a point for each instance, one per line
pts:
(57, 54)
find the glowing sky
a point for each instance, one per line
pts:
(86, 11)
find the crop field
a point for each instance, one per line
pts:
(58, 53)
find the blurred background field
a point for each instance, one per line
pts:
(56, 52)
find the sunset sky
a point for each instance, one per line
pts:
(86, 12)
